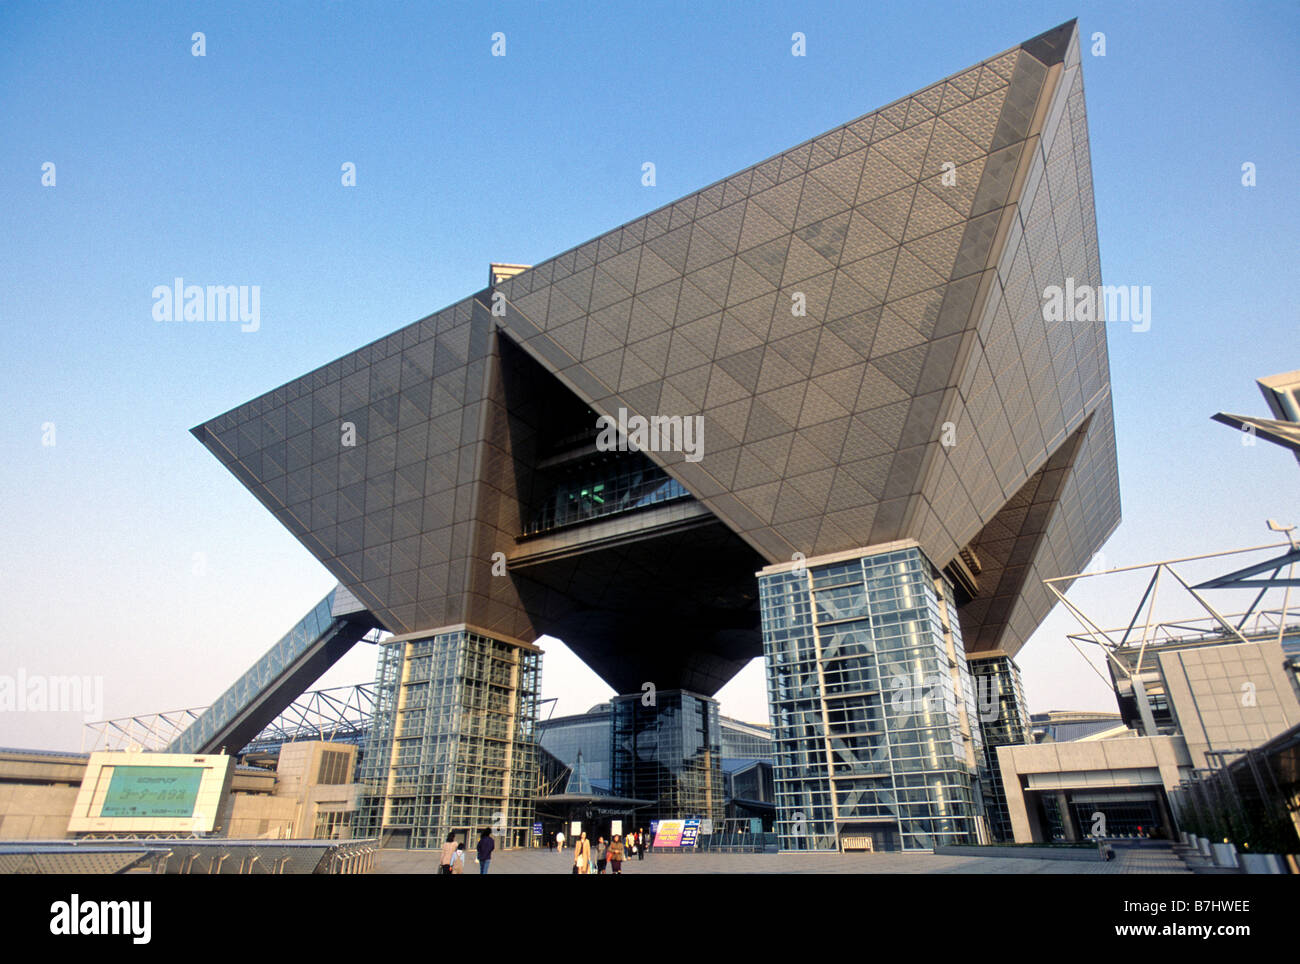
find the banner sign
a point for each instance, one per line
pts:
(669, 833)
(676, 833)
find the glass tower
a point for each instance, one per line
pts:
(872, 703)
(1003, 722)
(587, 735)
(460, 752)
(668, 751)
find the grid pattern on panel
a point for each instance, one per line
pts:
(812, 309)
(964, 681)
(870, 708)
(739, 743)
(462, 755)
(377, 758)
(1028, 387)
(371, 462)
(1086, 514)
(503, 479)
(585, 738)
(805, 818)
(669, 752)
(1089, 502)
(812, 417)
(1005, 546)
(1004, 721)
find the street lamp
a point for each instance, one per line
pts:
(1279, 527)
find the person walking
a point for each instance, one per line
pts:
(582, 854)
(448, 851)
(641, 843)
(559, 839)
(602, 849)
(458, 860)
(616, 854)
(485, 847)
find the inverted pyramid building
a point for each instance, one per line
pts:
(919, 394)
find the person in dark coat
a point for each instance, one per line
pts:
(616, 855)
(485, 847)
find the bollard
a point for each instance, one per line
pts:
(1225, 855)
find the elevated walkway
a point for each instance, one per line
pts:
(280, 676)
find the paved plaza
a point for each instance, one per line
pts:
(1149, 859)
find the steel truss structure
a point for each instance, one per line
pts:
(338, 714)
(1126, 649)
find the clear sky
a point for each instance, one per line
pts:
(131, 555)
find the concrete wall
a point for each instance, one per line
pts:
(1122, 762)
(298, 771)
(40, 794)
(253, 816)
(1229, 697)
(35, 812)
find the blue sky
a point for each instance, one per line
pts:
(129, 553)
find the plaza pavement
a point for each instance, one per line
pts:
(1149, 859)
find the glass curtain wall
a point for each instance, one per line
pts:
(1000, 699)
(872, 705)
(669, 752)
(461, 751)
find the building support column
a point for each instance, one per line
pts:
(1067, 818)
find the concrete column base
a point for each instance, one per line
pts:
(1262, 864)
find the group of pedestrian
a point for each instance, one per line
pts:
(452, 859)
(589, 858)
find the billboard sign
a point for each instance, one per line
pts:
(135, 791)
(145, 791)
